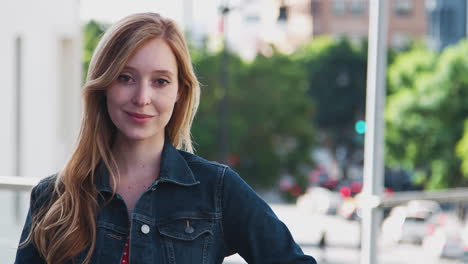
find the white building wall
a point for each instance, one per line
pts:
(49, 113)
(7, 102)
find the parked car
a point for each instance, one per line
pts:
(320, 177)
(445, 236)
(423, 208)
(349, 187)
(408, 223)
(464, 232)
(319, 200)
(348, 209)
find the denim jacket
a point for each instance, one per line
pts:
(196, 211)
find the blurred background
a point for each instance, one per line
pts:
(283, 103)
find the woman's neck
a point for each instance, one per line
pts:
(138, 159)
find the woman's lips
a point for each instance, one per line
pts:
(140, 118)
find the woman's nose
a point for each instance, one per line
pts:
(142, 95)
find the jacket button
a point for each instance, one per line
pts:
(145, 229)
(189, 230)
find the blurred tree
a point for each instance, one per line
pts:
(402, 119)
(407, 65)
(336, 73)
(92, 32)
(269, 121)
(425, 114)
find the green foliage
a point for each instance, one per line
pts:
(426, 113)
(462, 150)
(92, 33)
(337, 83)
(336, 72)
(313, 49)
(407, 65)
(269, 119)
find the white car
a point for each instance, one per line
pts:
(318, 200)
(445, 237)
(408, 223)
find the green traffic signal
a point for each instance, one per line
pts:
(360, 127)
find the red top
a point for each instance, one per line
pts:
(125, 252)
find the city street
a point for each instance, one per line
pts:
(342, 238)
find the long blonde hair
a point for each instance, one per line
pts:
(67, 225)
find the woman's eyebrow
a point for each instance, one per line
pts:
(128, 68)
(165, 72)
(162, 71)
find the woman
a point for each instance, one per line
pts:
(127, 194)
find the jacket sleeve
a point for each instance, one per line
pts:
(252, 229)
(29, 254)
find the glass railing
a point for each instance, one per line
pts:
(329, 238)
(13, 208)
(14, 197)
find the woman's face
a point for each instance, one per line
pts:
(141, 100)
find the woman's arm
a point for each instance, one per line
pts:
(252, 229)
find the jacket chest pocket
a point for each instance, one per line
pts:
(187, 240)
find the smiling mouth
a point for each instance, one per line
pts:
(137, 115)
(139, 118)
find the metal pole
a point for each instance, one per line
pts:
(19, 95)
(19, 120)
(224, 103)
(374, 138)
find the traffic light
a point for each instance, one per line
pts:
(360, 127)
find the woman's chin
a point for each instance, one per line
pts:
(138, 135)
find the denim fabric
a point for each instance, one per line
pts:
(195, 212)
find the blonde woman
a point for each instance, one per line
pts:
(132, 190)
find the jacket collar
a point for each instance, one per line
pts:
(174, 169)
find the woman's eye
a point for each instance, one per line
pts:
(124, 78)
(162, 82)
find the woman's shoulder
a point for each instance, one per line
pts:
(202, 167)
(42, 192)
(45, 184)
(194, 160)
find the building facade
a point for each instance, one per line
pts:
(407, 20)
(258, 25)
(40, 49)
(447, 22)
